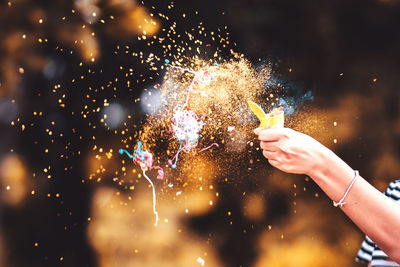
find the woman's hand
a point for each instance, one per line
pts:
(291, 151)
(373, 212)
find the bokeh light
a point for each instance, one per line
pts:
(14, 180)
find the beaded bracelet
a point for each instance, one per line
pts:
(341, 201)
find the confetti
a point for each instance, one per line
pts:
(201, 261)
(185, 128)
(145, 160)
(186, 125)
(231, 128)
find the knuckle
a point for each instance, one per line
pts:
(262, 145)
(287, 133)
(284, 149)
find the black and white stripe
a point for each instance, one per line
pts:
(369, 251)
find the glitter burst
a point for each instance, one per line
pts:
(145, 161)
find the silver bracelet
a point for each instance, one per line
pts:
(341, 201)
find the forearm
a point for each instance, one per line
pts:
(373, 212)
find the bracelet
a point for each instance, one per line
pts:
(341, 201)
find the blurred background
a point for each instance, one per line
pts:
(68, 84)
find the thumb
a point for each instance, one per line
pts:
(258, 130)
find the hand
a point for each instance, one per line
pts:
(291, 151)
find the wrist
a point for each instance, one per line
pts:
(319, 163)
(330, 168)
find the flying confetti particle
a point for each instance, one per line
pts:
(201, 261)
(186, 128)
(145, 161)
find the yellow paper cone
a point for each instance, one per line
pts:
(276, 118)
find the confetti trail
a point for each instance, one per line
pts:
(203, 105)
(177, 67)
(145, 161)
(203, 77)
(186, 125)
(186, 128)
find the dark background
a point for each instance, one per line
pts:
(346, 52)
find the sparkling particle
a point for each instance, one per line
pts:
(201, 261)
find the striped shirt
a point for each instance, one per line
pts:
(369, 251)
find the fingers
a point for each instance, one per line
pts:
(270, 154)
(269, 146)
(274, 163)
(272, 134)
(273, 159)
(258, 130)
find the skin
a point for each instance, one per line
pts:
(374, 213)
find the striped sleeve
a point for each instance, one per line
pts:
(365, 252)
(369, 252)
(368, 246)
(393, 190)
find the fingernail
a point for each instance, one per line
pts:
(257, 130)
